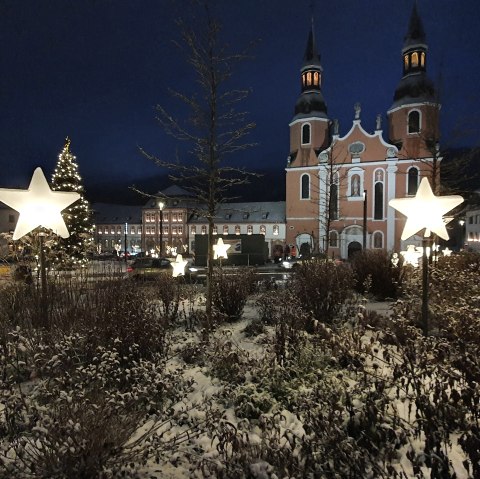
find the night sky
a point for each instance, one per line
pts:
(95, 69)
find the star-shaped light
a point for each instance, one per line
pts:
(425, 211)
(38, 206)
(447, 252)
(179, 266)
(220, 249)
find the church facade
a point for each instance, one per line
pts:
(338, 187)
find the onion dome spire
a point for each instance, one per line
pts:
(414, 85)
(311, 101)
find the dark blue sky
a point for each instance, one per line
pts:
(95, 69)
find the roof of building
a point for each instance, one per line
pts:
(252, 212)
(107, 213)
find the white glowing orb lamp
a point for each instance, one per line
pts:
(179, 266)
(39, 206)
(425, 210)
(220, 249)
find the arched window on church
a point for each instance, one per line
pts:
(309, 78)
(306, 133)
(316, 81)
(305, 187)
(377, 239)
(414, 121)
(412, 181)
(333, 239)
(414, 59)
(378, 201)
(422, 59)
(405, 62)
(333, 206)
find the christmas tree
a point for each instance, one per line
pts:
(73, 250)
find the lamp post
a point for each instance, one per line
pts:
(365, 198)
(125, 241)
(161, 205)
(425, 211)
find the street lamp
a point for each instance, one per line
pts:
(161, 205)
(365, 198)
(126, 227)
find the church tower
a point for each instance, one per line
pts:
(309, 135)
(414, 114)
(309, 128)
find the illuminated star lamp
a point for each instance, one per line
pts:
(179, 266)
(38, 206)
(425, 210)
(220, 249)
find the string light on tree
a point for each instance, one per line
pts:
(78, 216)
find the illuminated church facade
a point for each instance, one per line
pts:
(338, 187)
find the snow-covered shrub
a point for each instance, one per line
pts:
(169, 292)
(231, 291)
(228, 361)
(376, 275)
(83, 420)
(250, 402)
(321, 287)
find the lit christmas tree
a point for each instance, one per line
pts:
(72, 250)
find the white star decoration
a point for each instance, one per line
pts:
(425, 211)
(179, 266)
(220, 249)
(38, 206)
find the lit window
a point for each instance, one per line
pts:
(225, 229)
(316, 79)
(139, 230)
(309, 78)
(276, 230)
(422, 59)
(193, 230)
(180, 217)
(414, 59)
(165, 230)
(132, 230)
(165, 217)
(377, 240)
(414, 122)
(405, 62)
(119, 230)
(237, 229)
(174, 217)
(204, 230)
(263, 230)
(112, 230)
(215, 230)
(180, 230)
(249, 230)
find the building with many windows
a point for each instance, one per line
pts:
(265, 218)
(117, 226)
(338, 186)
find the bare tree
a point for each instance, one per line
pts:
(214, 127)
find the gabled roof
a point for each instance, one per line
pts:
(252, 212)
(107, 213)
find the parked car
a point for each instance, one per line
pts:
(152, 268)
(291, 263)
